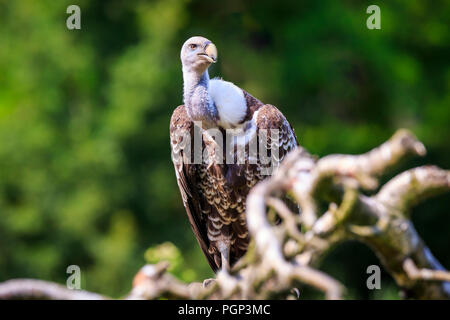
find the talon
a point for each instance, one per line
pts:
(208, 282)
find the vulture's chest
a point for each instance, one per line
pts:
(229, 101)
(226, 174)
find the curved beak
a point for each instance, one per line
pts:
(210, 53)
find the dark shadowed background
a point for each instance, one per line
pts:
(85, 171)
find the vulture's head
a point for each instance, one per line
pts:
(197, 54)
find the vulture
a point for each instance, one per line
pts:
(221, 121)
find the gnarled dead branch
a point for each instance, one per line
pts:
(284, 255)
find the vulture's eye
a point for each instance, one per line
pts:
(193, 46)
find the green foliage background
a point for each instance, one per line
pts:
(85, 170)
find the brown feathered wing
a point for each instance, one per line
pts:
(182, 131)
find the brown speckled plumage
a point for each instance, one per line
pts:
(214, 194)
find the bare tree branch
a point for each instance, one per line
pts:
(424, 274)
(414, 186)
(284, 256)
(38, 289)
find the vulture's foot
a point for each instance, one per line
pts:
(208, 282)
